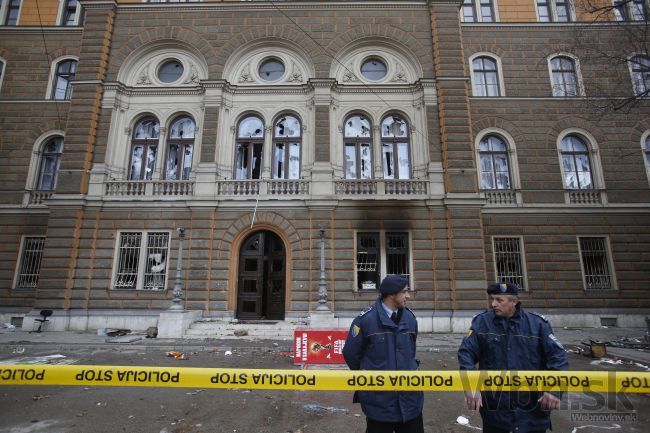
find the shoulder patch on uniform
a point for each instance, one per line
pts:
(540, 316)
(365, 310)
(470, 332)
(355, 330)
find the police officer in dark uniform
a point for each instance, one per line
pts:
(510, 338)
(383, 337)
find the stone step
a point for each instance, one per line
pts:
(212, 328)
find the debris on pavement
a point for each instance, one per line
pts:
(8, 326)
(240, 332)
(319, 408)
(613, 427)
(175, 354)
(198, 391)
(57, 359)
(464, 421)
(111, 332)
(123, 339)
(152, 332)
(18, 350)
(227, 353)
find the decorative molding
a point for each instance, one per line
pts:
(144, 79)
(245, 76)
(400, 74)
(296, 75)
(193, 78)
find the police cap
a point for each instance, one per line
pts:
(502, 288)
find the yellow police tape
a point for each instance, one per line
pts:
(321, 380)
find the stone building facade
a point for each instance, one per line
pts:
(457, 144)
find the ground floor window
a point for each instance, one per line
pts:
(509, 261)
(596, 264)
(29, 267)
(141, 261)
(379, 254)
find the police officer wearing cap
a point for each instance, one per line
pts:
(511, 338)
(383, 337)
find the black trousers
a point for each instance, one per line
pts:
(490, 429)
(416, 425)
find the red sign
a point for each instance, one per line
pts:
(319, 346)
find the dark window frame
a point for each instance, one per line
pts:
(149, 145)
(286, 141)
(66, 76)
(182, 144)
(491, 154)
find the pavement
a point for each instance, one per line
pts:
(575, 340)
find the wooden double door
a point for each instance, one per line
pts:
(261, 280)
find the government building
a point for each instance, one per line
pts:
(272, 161)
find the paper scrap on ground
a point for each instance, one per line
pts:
(465, 422)
(615, 426)
(57, 359)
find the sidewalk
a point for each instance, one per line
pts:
(571, 338)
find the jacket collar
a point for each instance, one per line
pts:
(383, 317)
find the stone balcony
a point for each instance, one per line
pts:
(268, 189)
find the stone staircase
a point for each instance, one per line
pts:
(238, 329)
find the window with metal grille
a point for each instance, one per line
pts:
(29, 267)
(596, 270)
(142, 259)
(368, 261)
(375, 258)
(508, 261)
(397, 254)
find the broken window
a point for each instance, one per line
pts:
(138, 267)
(287, 138)
(144, 149)
(395, 148)
(181, 146)
(375, 258)
(595, 263)
(508, 260)
(248, 149)
(357, 150)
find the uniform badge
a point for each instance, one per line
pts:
(355, 330)
(470, 332)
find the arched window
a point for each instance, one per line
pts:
(486, 77)
(144, 148)
(640, 67)
(64, 74)
(564, 76)
(395, 148)
(49, 164)
(576, 163)
(495, 168)
(357, 155)
(180, 149)
(287, 141)
(248, 149)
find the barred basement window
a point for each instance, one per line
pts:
(508, 261)
(368, 261)
(139, 268)
(397, 254)
(594, 257)
(30, 263)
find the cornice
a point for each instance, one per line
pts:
(533, 25)
(267, 5)
(78, 30)
(99, 4)
(154, 91)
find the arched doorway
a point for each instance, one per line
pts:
(261, 279)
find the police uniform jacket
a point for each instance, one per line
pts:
(522, 342)
(375, 342)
